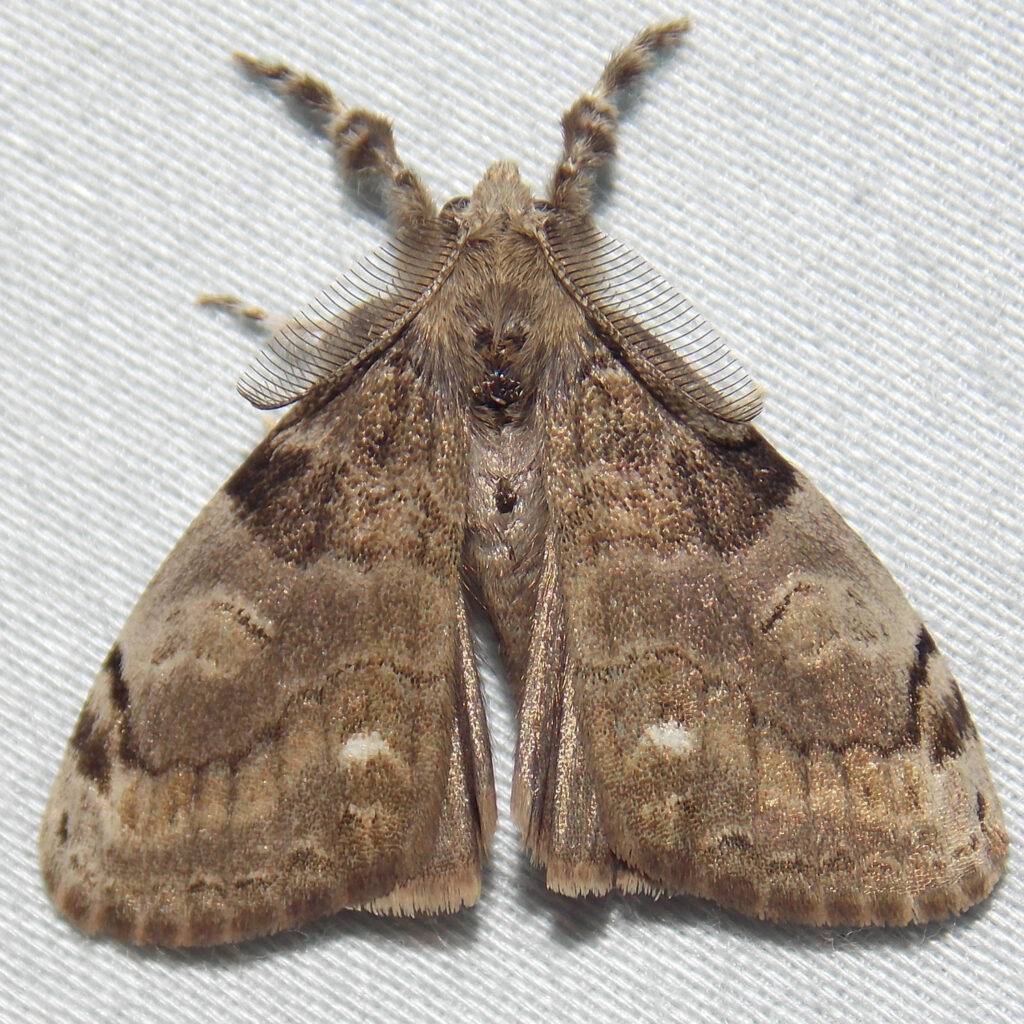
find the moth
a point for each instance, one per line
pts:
(721, 691)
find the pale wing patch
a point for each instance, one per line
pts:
(368, 306)
(660, 332)
(363, 746)
(671, 737)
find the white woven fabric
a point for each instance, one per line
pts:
(837, 184)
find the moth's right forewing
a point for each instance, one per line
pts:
(762, 718)
(289, 724)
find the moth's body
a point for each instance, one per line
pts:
(510, 317)
(721, 691)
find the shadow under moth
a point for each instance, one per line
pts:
(721, 691)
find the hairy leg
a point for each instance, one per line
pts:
(234, 305)
(588, 126)
(363, 141)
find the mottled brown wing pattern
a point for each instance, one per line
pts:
(290, 722)
(761, 717)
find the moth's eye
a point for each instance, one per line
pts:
(456, 205)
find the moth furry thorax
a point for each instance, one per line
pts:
(721, 692)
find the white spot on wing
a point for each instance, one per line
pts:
(672, 737)
(361, 746)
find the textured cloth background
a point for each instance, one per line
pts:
(837, 184)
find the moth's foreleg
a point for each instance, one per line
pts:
(251, 315)
(588, 126)
(364, 144)
(236, 307)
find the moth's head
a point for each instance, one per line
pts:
(500, 202)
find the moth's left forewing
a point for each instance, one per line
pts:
(290, 721)
(763, 720)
